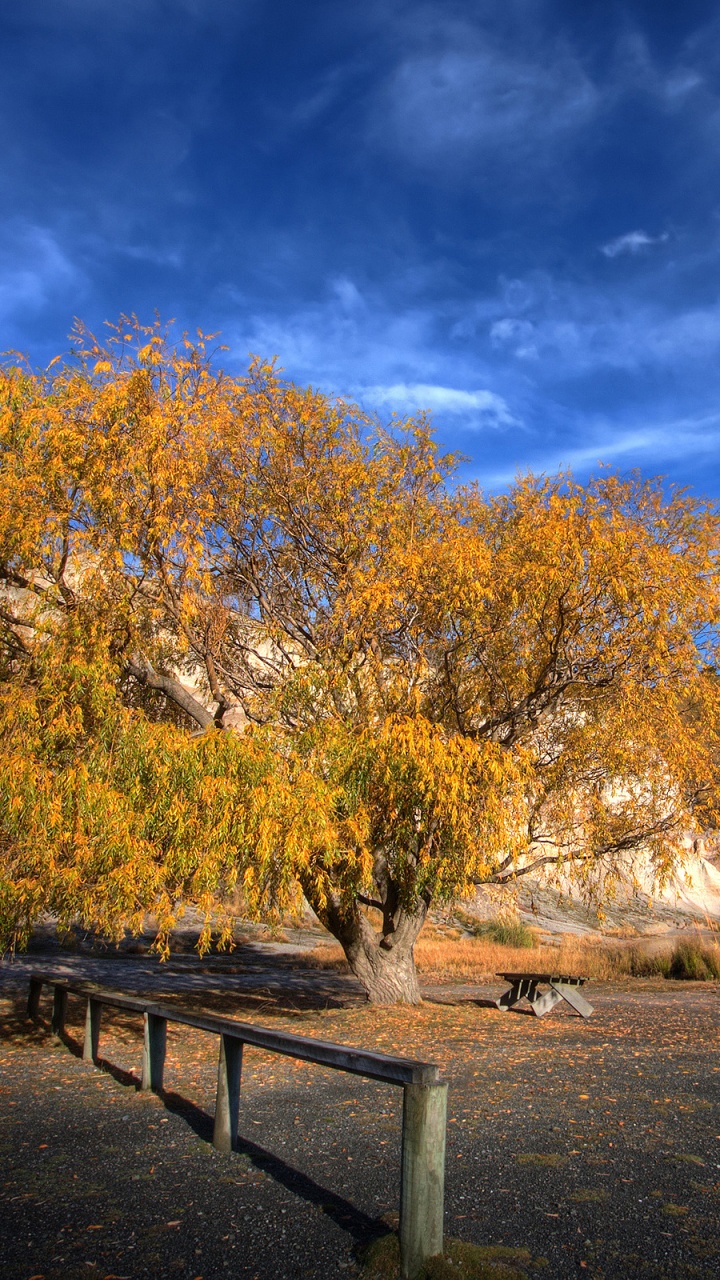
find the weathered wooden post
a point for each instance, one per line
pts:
(422, 1184)
(92, 1030)
(153, 1062)
(225, 1129)
(34, 993)
(424, 1105)
(57, 1024)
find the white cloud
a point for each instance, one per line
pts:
(162, 257)
(530, 357)
(314, 104)
(340, 344)
(632, 242)
(495, 103)
(516, 333)
(486, 408)
(661, 441)
(347, 293)
(332, 343)
(682, 82)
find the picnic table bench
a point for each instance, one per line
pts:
(562, 987)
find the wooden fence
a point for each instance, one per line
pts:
(424, 1103)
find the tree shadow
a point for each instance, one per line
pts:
(250, 980)
(481, 1002)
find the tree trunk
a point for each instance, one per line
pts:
(383, 962)
(387, 976)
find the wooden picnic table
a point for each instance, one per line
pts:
(562, 986)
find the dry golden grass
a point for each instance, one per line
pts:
(475, 959)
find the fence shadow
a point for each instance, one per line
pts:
(343, 1213)
(361, 1226)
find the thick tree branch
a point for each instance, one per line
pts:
(141, 670)
(369, 902)
(515, 874)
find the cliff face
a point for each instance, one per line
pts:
(635, 908)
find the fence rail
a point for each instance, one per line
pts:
(424, 1103)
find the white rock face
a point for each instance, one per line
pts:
(638, 908)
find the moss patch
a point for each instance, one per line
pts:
(549, 1160)
(460, 1261)
(588, 1195)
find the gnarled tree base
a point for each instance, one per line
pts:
(383, 961)
(388, 977)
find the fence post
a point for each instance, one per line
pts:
(423, 1175)
(225, 1129)
(153, 1062)
(57, 1024)
(33, 1004)
(92, 1030)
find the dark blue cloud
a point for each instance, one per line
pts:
(508, 214)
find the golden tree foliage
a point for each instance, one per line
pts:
(252, 640)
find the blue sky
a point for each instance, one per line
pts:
(506, 212)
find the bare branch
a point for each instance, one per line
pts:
(515, 874)
(143, 672)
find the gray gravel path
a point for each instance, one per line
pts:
(595, 1144)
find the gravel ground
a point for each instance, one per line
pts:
(595, 1144)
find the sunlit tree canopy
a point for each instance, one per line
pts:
(255, 645)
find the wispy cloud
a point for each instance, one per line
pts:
(661, 444)
(517, 333)
(421, 206)
(632, 242)
(35, 271)
(340, 339)
(471, 99)
(567, 328)
(369, 349)
(161, 256)
(664, 441)
(479, 408)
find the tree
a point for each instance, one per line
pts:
(390, 688)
